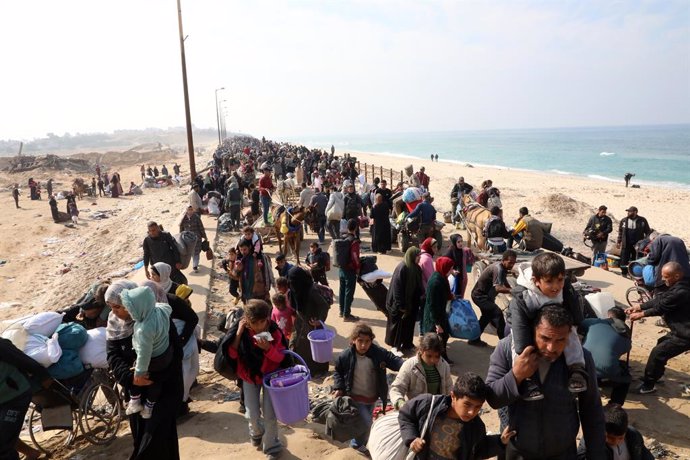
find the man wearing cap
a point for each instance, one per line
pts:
(631, 230)
(195, 199)
(597, 230)
(265, 189)
(423, 178)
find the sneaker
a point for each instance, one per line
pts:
(134, 406)
(351, 318)
(646, 388)
(147, 412)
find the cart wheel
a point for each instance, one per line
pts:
(478, 268)
(48, 441)
(100, 414)
(637, 295)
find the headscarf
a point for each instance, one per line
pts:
(300, 282)
(117, 328)
(161, 295)
(163, 270)
(454, 253)
(414, 273)
(428, 245)
(112, 294)
(443, 267)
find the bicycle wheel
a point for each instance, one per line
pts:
(478, 269)
(100, 414)
(47, 441)
(637, 295)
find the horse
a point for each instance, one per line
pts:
(288, 225)
(475, 216)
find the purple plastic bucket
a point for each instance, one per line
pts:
(290, 402)
(321, 343)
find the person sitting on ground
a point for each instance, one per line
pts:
(426, 372)
(282, 265)
(672, 305)
(454, 429)
(317, 261)
(360, 372)
(495, 231)
(152, 345)
(607, 340)
(283, 315)
(492, 281)
(257, 356)
(527, 229)
(622, 440)
(547, 287)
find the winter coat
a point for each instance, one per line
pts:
(641, 231)
(15, 370)
(426, 263)
(673, 305)
(344, 374)
(161, 249)
(335, 206)
(667, 248)
(411, 380)
(474, 443)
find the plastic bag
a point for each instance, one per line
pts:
(44, 323)
(46, 351)
(385, 440)
(463, 321)
(94, 352)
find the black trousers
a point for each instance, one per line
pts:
(12, 415)
(628, 253)
(667, 347)
(491, 314)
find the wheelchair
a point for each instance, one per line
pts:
(90, 403)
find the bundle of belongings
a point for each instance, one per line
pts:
(65, 349)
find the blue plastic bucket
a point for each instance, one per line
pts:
(321, 343)
(290, 403)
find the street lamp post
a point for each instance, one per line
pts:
(190, 140)
(218, 114)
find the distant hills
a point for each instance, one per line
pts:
(122, 139)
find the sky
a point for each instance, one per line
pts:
(320, 67)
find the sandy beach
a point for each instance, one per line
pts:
(37, 252)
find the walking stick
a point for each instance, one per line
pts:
(627, 357)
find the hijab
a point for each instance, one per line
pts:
(454, 253)
(163, 270)
(300, 282)
(443, 267)
(117, 328)
(428, 245)
(413, 281)
(112, 294)
(161, 295)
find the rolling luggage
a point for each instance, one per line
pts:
(377, 293)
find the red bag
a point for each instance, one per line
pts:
(209, 254)
(363, 221)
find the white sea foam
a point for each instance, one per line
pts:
(607, 154)
(558, 171)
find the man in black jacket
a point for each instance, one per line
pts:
(160, 246)
(672, 305)
(597, 231)
(548, 428)
(631, 230)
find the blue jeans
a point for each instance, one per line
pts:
(266, 427)
(346, 293)
(266, 205)
(366, 414)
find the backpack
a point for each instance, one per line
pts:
(342, 251)
(325, 292)
(222, 363)
(353, 206)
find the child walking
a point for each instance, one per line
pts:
(151, 343)
(229, 265)
(360, 372)
(255, 358)
(546, 287)
(283, 315)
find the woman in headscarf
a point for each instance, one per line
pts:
(462, 257)
(160, 273)
(426, 261)
(437, 296)
(311, 307)
(155, 438)
(381, 227)
(185, 320)
(403, 301)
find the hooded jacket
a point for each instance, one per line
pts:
(411, 380)
(151, 325)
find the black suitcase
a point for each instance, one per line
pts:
(377, 293)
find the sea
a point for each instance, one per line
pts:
(658, 155)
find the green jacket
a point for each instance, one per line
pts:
(15, 371)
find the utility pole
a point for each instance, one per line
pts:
(218, 114)
(190, 140)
